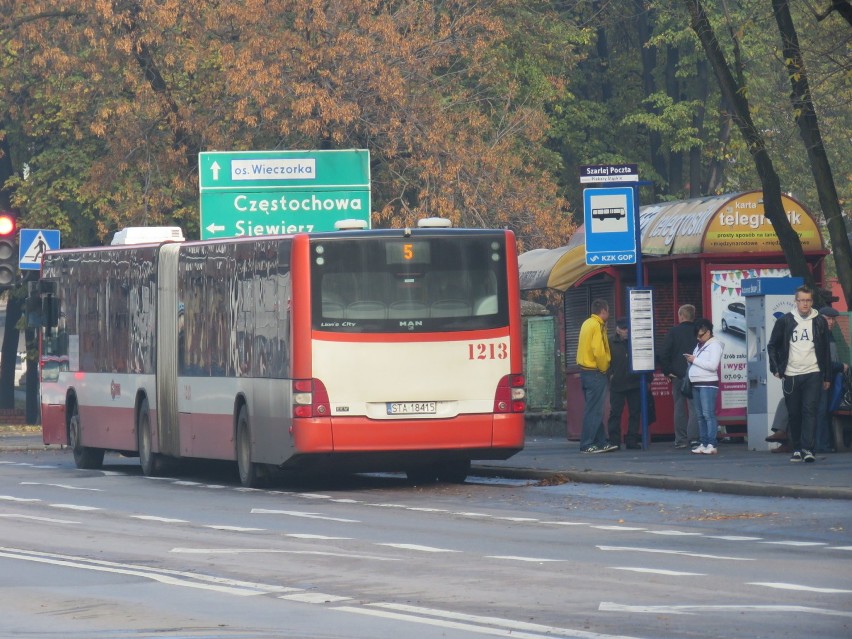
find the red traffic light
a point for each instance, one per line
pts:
(7, 224)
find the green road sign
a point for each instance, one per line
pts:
(274, 192)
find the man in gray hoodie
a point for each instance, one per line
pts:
(799, 355)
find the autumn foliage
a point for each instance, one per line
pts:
(108, 103)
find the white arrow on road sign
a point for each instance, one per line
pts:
(215, 166)
(215, 228)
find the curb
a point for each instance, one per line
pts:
(751, 489)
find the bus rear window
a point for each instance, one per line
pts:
(396, 285)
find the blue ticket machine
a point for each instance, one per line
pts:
(766, 299)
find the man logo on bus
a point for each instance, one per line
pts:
(410, 324)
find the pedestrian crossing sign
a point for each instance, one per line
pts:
(32, 245)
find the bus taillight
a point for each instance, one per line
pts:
(511, 396)
(310, 398)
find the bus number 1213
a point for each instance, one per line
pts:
(488, 351)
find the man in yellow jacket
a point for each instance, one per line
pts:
(593, 358)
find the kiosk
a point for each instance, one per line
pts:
(766, 299)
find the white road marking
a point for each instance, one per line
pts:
(417, 547)
(655, 571)
(473, 623)
(517, 558)
(422, 509)
(10, 498)
(320, 537)
(45, 519)
(607, 606)
(164, 520)
(733, 538)
(66, 486)
(73, 507)
(566, 523)
(673, 533)
(313, 496)
(169, 577)
(525, 520)
(296, 513)
(840, 547)
(184, 482)
(783, 586)
(795, 543)
(682, 553)
(314, 598)
(471, 514)
(275, 551)
(234, 528)
(624, 528)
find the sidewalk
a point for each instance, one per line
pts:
(735, 470)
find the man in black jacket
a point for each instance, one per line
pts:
(799, 354)
(623, 386)
(679, 340)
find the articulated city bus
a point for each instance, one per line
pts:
(360, 350)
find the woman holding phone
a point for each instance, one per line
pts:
(704, 374)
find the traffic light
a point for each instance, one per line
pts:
(8, 250)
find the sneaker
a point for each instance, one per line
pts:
(796, 456)
(592, 449)
(710, 449)
(694, 443)
(808, 456)
(681, 445)
(608, 448)
(699, 450)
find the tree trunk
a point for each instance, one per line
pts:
(649, 86)
(806, 119)
(8, 355)
(735, 95)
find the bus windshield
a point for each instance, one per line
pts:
(419, 284)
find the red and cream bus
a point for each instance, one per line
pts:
(361, 350)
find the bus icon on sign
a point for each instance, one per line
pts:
(615, 213)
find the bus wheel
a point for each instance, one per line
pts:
(454, 472)
(152, 463)
(84, 457)
(249, 471)
(422, 474)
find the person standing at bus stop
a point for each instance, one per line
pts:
(624, 386)
(799, 355)
(593, 358)
(679, 340)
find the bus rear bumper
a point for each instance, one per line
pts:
(483, 436)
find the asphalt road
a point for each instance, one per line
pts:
(114, 554)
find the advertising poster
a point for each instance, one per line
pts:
(729, 327)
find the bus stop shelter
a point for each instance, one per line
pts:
(694, 251)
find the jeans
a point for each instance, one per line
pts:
(801, 395)
(616, 408)
(705, 402)
(594, 385)
(824, 437)
(685, 422)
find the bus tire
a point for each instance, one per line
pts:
(84, 457)
(250, 474)
(151, 462)
(454, 472)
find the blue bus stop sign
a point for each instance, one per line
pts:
(610, 222)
